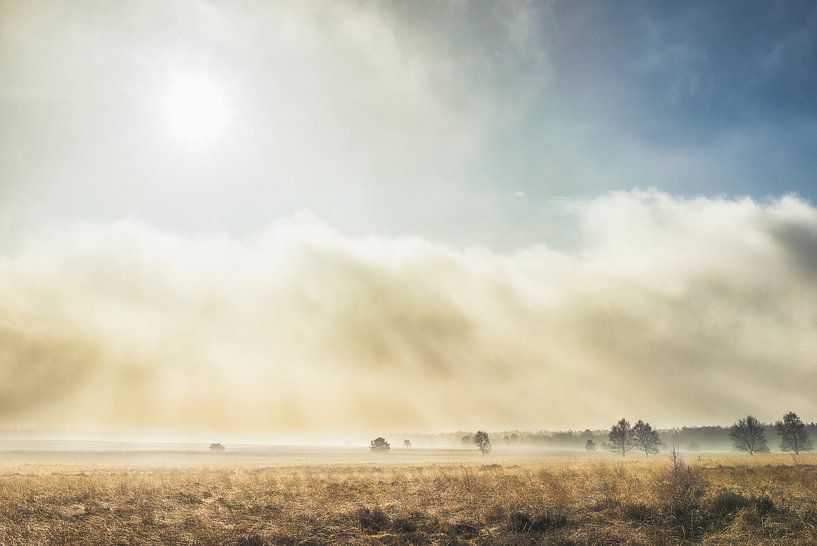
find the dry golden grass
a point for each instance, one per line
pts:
(725, 500)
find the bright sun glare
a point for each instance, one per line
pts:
(195, 109)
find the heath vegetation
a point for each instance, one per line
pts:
(707, 499)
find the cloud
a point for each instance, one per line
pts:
(673, 309)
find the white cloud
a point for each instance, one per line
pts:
(677, 310)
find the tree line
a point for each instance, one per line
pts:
(747, 435)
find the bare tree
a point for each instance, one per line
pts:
(406, 443)
(646, 438)
(379, 444)
(621, 437)
(792, 432)
(590, 446)
(748, 435)
(482, 441)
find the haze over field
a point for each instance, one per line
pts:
(304, 217)
(684, 310)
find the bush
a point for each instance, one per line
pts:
(726, 502)
(680, 490)
(372, 521)
(379, 444)
(763, 505)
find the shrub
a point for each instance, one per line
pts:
(379, 444)
(763, 504)
(680, 490)
(372, 521)
(726, 502)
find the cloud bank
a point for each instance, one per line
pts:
(677, 310)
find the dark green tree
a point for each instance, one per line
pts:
(621, 437)
(793, 435)
(646, 438)
(483, 442)
(379, 444)
(748, 435)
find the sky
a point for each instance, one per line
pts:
(303, 216)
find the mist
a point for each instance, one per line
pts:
(678, 310)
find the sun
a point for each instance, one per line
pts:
(195, 109)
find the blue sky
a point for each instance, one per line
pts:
(689, 97)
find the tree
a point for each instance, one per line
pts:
(215, 446)
(482, 441)
(406, 443)
(646, 438)
(748, 435)
(379, 444)
(590, 446)
(468, 439)
(621, 437)
(792, 432)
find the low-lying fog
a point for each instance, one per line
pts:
(66, 452)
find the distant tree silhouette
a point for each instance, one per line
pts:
(406, 443)
(793, 435)
(621, 437)
(467, 440)
(379, 444)
(215, 446)
(693, 446)
(482, 441)
(590, 446)
(748, 435)
(646, 438)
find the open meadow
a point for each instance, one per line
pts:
(498, 499)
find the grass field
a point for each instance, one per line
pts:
(715, 500)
